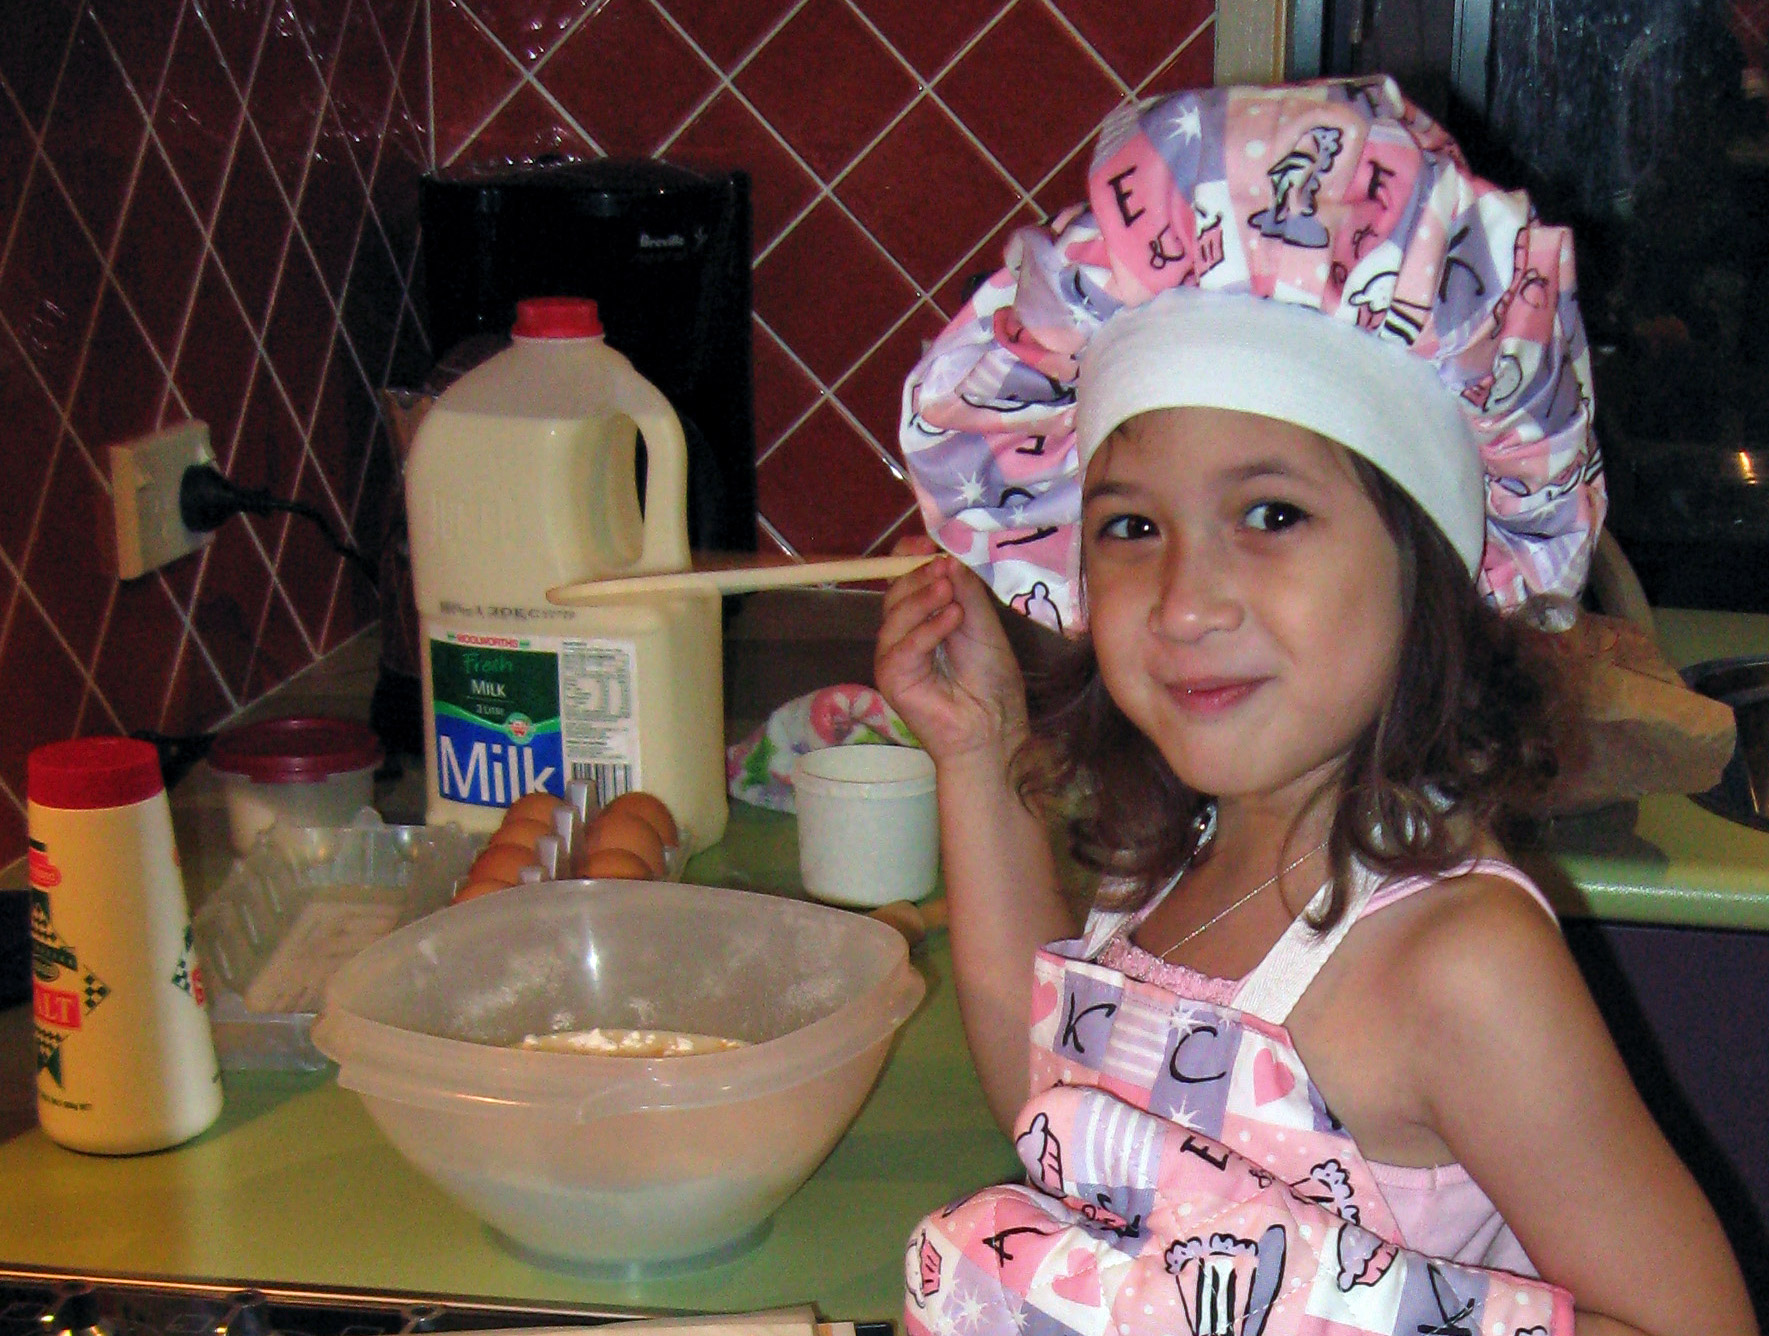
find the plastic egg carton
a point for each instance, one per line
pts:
(302, 902)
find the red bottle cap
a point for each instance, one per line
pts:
(299, 750)
(557, 318)
(87, 773)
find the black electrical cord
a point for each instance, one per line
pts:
(207, 498)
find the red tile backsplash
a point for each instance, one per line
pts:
(928, 36)
(827, 84)
(209, 208)
(185, 204)
(727, 132)
(987, 91)
(856, 496)
(729, 32)
(829, 292)
(627, 77)
(926, 156)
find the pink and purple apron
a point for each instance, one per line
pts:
(1185, 1176)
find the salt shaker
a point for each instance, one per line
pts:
(125, 1059)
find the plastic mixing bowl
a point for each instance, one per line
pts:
(618, 1161)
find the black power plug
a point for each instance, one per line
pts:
(207, 498)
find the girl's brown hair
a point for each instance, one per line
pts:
(1466, 742)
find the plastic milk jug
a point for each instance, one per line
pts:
(523, 477)
(125, 1061)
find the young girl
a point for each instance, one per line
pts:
(1284, 422)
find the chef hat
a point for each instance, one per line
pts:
(1317, 253)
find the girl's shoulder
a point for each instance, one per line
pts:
(1465, 947)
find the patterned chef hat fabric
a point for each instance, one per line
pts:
(1318, 253)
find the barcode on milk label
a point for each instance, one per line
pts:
(517, 714)
(608, 781)
(599, 705)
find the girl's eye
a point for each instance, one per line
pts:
(1128, 528)
(1274, 516)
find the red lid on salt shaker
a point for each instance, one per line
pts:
(86, 773)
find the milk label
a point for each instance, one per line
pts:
(517, 714)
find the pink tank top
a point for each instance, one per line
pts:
(1440, 1211)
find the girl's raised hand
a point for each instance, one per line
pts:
(944, 664)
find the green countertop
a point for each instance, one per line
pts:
(1672, 862)
(295, 1185)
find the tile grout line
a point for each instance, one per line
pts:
(933, 93)
(6, 789)
(36, 131)
(830, 393)
(338, 335)
(1027, 199)
(63, 429)
(224, 452)
(530, 75)
(826, 394)
(327, 78)
(524, 76)
(1105, 65)
(767, 527)
(107, 282)
(206, 226)
(96, 693)
(399, 100)
(1175, 54)
(726, 81)
(825, 189)
(429, 83)
(914, 509)
(22, 590)
(341, 335)
(263, 356)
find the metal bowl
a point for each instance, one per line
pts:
(1743, 683)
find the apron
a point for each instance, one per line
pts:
(1186, 1176)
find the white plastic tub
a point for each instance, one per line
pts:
(622, 1162)
(868, 824)
(303, 771)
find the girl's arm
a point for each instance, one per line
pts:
(944, 664)
(1519, 1077)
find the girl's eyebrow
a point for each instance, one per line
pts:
(1107, 488)
(1262, 468)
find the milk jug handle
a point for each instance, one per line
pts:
(664, 546)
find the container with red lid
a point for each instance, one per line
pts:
(304, 770)
(125, 1062)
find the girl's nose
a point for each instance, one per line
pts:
(1197, 594)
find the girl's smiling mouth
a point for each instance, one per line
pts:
(1212, 695)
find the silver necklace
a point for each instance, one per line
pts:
(1220, 915)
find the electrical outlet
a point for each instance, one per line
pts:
(145, 477)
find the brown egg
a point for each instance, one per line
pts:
(501, 863)
(520, 831)
(621, 863)
(652, 809)
(474, 889)
(536, 806)
(623, 830)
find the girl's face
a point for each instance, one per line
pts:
(1244, 596)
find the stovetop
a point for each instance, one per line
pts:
(36, 1302)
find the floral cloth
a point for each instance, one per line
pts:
(758, 770)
